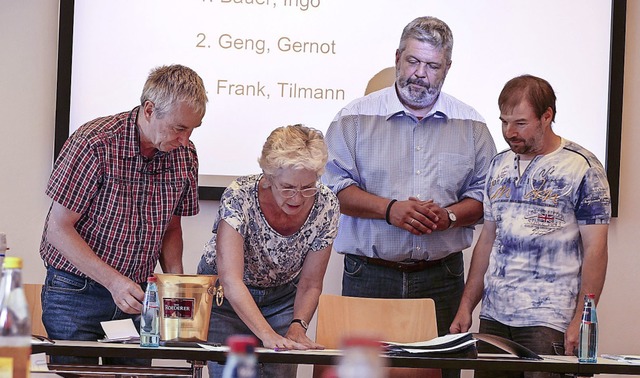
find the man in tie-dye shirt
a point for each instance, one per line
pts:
(543, 245)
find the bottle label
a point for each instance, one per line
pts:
(6, 367)
(181, 308)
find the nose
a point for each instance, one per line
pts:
(422, 71)
(509, 130)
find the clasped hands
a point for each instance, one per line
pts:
(418, 217)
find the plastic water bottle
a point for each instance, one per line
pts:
(588, 344)
(15, 325)
(150, 319)
(3, 248)
(242, 361)
(361, 359)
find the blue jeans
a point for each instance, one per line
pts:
(540, 340)
(72, 309)
(276, 305)
(444, 283)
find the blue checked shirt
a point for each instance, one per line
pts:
(376, 144)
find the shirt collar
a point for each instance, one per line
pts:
(131, 140)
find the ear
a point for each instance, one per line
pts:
(547, 116)
(397, 57)
(147, 109)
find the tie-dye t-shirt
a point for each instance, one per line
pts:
(533, 277)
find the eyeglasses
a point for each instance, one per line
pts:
(290, 192)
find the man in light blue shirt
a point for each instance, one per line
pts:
(408, 164)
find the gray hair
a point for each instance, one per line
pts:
(167, 85)
(430, 30)
(297, 147)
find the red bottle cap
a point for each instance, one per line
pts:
(242, 343)
(361, 342)
(152, 279)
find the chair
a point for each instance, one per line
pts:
(32, 292)
(398, 320)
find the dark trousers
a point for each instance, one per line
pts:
(541, 340)
(442, 282)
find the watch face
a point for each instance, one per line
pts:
(452, 216)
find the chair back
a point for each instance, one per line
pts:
(32, 292)
(398, 320)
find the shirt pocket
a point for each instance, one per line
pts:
(453, 171)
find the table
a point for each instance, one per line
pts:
(197, 357)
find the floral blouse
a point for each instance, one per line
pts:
(272, 259)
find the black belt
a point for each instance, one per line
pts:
(407, 266)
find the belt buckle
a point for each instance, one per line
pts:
(409, 266)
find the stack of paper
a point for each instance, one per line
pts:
(454, 344)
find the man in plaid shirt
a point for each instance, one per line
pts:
(119, 188)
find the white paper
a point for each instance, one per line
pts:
(39, 362)
(119, 330)
(433, 342)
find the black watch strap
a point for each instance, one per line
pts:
(301, 322)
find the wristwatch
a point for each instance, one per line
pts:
(301, 322)
(452, 218)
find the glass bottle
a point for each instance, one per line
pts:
(3, 249)
(361, 359)
(15, 325)
(242, 361)
(588, 343)
(150, 319)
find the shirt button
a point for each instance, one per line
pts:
(418, 148)
(418, 248)
(418, 172)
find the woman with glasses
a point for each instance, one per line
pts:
(271, 245)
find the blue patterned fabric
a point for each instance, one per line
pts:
(533, 277)
(271, 259)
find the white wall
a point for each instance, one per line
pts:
(28, 43)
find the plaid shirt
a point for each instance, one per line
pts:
(125, 200)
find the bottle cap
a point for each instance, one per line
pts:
(12, 262)
(366, 342)
(242, 343)
(590, 296)
(152, 279)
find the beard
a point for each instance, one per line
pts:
(418, 94)
(529, 146)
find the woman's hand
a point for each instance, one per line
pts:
(298, 334)
(277, 342)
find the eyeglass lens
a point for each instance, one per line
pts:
(290, 193)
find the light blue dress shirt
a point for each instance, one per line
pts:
(376, 144)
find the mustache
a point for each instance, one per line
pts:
(419, 82)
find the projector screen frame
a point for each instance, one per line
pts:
(614, 114)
